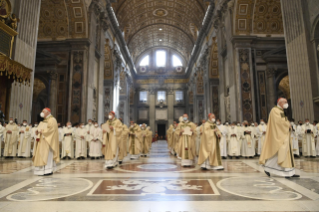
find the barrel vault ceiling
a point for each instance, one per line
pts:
(150, 24)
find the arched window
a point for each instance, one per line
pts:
(176, 61)
(161, 58)
(145, 61)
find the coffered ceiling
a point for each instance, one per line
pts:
(160, 23)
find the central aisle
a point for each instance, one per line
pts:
(156, 183)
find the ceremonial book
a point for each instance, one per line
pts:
(187, 131)
(106, 127)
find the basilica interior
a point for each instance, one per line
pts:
(151, 61)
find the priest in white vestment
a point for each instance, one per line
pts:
(68, 142)
(223, 139)
(261, 134)
(241, 137)
(2, 129)
(25, 138)
(248, 148)
(89, 127)
(112, 138)
(308, 142)
(186, 131)
(80, 139)
(233, 137)
(276, 156)
(209, 153)
(60, 130)
(47, 153)
(11, 135)
(300, 135)
(34, 137)
(294, 138)
(96, 142)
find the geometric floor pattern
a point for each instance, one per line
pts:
(157, 183)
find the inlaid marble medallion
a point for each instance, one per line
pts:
(139, 187)
(52, 188)
(263, 188)
(157, 166)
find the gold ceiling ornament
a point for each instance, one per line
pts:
(146, 17)
(61, 19)
(258, 17)
(14, 70)
(169, 36)
(160, 12)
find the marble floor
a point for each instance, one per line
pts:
(156, 183)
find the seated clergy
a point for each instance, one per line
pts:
(68, 142)
(25, 138)
(47, 152)
(209, 152)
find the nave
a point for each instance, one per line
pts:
(156, 183)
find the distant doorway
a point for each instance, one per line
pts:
(161, 131)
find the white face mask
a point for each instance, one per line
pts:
(291, 123)
(35, 125)
(238, 125)
(69, 126)
(286, 106)
(42, 115)
(96, 125)
(307, 123)
(11, 121)
(110, 117)
(262, 123)
(90, 123)
(185, 118)
(82, 126)
(24, 124)
(232, 127)
(213, 120)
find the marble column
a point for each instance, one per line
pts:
(53, 92)
(271, 96)
(25, 53)
(152, 110)
(300, 57)
(170, 106)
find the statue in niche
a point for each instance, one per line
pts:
(4, 8)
